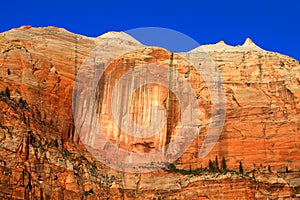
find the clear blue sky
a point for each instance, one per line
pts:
(273, 25)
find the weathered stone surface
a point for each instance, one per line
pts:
(41, 155)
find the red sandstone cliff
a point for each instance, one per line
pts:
(41, 154)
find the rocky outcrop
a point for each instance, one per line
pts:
(42, 156)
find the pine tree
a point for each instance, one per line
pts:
(22, 103)
(241, 168)
(211, 165)
(286, 169)
(269, 168)
(223, 164)
(7, 92)
(217, 163)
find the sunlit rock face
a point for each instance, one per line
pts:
(41, 153)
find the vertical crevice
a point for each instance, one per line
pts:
(260, 71)
(72, 130)
(100, 90)
(23, 177)
(169, 104)
(76, 55)
(28, 142)
(41, 194)
(28, 189)
(120, 117)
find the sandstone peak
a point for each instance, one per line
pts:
(222, 42)
(221, 46)
(249, 44)
(248, 41)
(29, 32)
(28, 27)
(119, 35)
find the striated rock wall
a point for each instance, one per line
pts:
(41, 154)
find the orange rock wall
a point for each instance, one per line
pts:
(41, 154)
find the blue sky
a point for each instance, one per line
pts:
(273, 25)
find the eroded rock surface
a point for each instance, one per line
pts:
(42, 156)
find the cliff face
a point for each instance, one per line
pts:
(41, 154)
(262, 106)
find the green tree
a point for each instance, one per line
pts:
(211, 165)
(223, 164)
(7, 92)
(241, 170)
(269, 168)
(22, 103)
(217, 163)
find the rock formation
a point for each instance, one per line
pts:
(41, 154)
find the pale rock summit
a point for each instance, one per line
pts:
(221, 46)
(250, 45)
(122, 36)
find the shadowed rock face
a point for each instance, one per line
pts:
(41, 154)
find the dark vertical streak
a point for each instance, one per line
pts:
(169, 105)
(76, 56)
